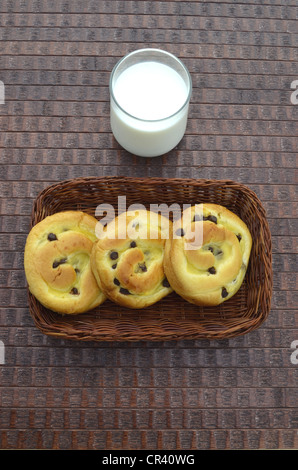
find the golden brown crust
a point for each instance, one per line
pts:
(57, 262)
(206, 259)
(127, 260)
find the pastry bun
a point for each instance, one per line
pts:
(57, 263)
(127, 260)
(206, 259)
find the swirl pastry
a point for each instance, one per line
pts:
(57, 263)
(206, 259)
(127, 260)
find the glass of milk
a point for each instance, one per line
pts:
(150, 91)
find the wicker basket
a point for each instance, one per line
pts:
(172, 318)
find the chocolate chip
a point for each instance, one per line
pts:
(114, 266)
(220, 252)
(114, 255)
(143, 267)
(74, 291)
(210, 248)
(77, 270)
(133, 244)
(211, 218)
(165, 282)
(224, 292)
(197, 218)
(116, 282)
(180, 232)
(124, 291)
(212, 270)
(239, 237)
(60, 261)
(52, 237)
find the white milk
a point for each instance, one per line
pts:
(153, 106)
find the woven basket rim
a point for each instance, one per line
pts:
(160, 322)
